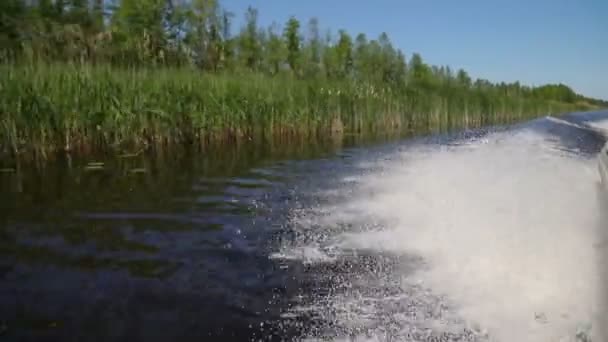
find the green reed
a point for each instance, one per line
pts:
(55, 107)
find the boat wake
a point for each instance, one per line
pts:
(494, 239)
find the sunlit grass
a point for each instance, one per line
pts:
(46, 108)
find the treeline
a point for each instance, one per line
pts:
(256, 79)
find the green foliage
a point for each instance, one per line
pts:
(205, 36)
(50, 107)
(556, 92)
(344, 52)
(276, 51)
(76, 73)
(313, 50)
(292, 39)
(250, 49)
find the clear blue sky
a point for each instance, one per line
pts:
(534, 41)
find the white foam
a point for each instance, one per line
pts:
(565, 122)
(506, 227)
(600, 125)
(306, 254)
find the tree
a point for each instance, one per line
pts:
(249, 46)
(204, 33)
(148, 33)
(12, 18)
(139, 30)
(463, 79)
(344, 51)
(227, 53)
(293, 41)
(98, 15)
(276, 50)
(392, 62)
(313, 49)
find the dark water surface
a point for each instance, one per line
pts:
(179, 246)
(164, 247)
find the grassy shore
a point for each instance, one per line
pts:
(50, 108)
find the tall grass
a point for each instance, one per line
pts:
(46, 108)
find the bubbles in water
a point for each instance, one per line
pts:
(490, 240)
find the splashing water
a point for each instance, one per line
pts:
(494, 239)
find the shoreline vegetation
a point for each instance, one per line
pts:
(124, 76)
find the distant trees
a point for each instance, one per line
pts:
(312, 50)
(198, 33)
(557, 92)
(249, 47)
(344, 53)
(276, 52)
(293, 40)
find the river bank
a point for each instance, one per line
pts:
(87, 109)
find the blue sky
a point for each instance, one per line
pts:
(535, 41)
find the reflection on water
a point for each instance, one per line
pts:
(157, 246)
(143, 246)
(190, 245)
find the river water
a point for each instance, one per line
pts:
(485, 235)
